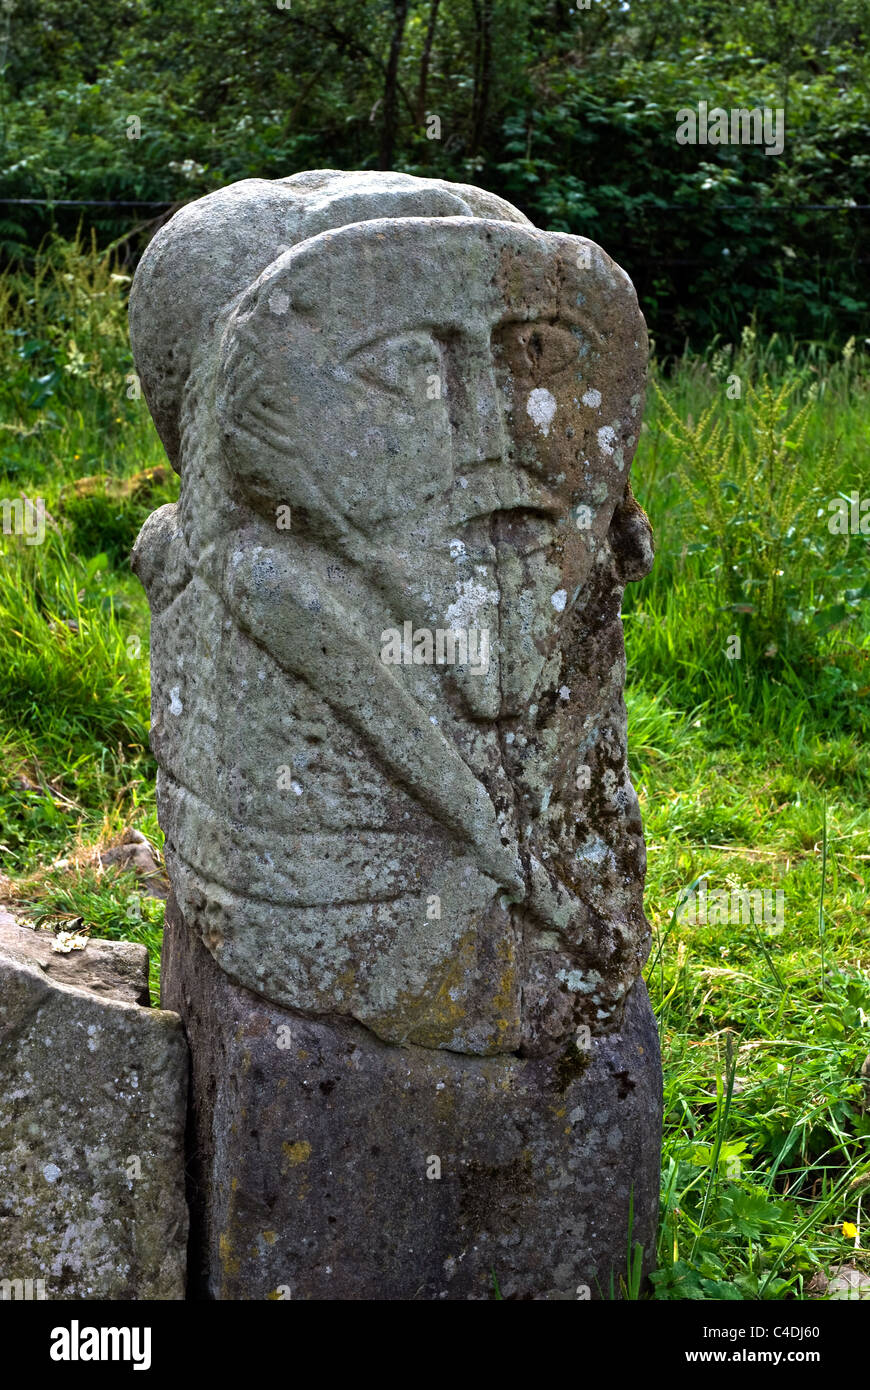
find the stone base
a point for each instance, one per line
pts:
(93, 1093)
(315, 1151)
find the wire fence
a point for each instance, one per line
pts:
(759, 208)
(646, 207)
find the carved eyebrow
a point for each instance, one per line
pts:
(561, 323)
(395, 339)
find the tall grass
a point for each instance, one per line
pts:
(74, 761)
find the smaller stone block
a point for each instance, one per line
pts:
(113, 969)
(92, 1110)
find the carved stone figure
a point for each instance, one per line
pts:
(387, 665)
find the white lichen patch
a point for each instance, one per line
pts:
(574, 979)
(592, 398)
(279, 302)
(470, 598)
(541, 407)
(607, 440)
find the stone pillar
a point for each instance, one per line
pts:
(407, 927)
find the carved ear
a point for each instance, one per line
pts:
(256, 416)
(194, 266)
(631, 538)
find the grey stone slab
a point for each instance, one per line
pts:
(93, 1092)
(113, 969)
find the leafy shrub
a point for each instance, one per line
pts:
(758, 524)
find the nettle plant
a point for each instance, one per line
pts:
(755, 517)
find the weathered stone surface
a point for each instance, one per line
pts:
(400, 410)
(92, 1113)
(114, 969)
(312, 1175)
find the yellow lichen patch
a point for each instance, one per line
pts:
(505, 998)
(300, 1152)
(228, 1259)
(346, 981)
(433, 1016)
(270, 1237)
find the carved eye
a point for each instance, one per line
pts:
(395, 364)
(537, 350)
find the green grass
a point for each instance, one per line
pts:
(751, 772)
(745, 769)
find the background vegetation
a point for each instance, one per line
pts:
(569, 113)
(751, 771)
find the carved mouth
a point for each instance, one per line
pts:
(501, 487)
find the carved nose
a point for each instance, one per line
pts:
(476, 408)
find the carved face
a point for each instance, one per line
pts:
(390, 369)
(434, 389)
